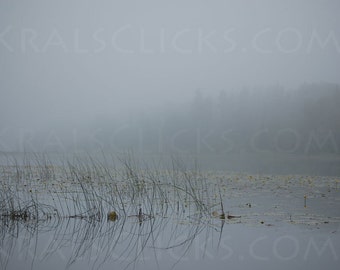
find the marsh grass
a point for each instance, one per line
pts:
(113, 208)
(75, 198)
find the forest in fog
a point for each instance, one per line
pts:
(272, 119)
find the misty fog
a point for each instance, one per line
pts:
(244, 85)
(169, 134)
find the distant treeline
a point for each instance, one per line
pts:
(303, 121)
(271, 119)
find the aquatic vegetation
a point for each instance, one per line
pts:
(112, 216)
(123, 207)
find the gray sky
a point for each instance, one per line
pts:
(74, 59)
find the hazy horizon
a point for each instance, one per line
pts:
(64, 65)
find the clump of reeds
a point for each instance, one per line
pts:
(87, 188)
(96, 194)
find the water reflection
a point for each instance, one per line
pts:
(89, 215)
(125, 241)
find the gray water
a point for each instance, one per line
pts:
(166, 219)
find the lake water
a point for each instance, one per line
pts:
(57, 217)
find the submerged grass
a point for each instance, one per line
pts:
(124, 194)
(89, 189)
(122, 206)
